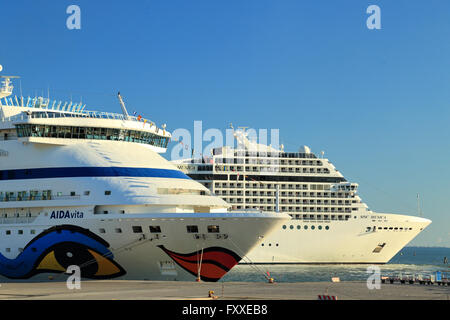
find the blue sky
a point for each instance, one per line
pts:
(376, 101)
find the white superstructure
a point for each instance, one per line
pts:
(90, 189)
(329, 222)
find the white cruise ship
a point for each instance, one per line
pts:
(329, 222)
(90, 189)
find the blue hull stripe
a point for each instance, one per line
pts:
(81, 172)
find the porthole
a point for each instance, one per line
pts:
(305, 227)
(284, 227)
(327, 227)
(312, 227)
(291, 227)
(320, 227)
(299, 227)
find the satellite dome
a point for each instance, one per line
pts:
(304, 149)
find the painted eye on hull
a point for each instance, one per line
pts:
(92, 264)
(59, 247)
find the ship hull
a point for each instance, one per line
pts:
(135, 253)
(344, 242)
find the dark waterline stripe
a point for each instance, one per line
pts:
(79, 172)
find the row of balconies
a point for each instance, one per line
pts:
(271, 186)
(281, 194)
(268, 161)
(282, 201)
(224, 168)
(298, 209)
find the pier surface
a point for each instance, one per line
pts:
(173, 290)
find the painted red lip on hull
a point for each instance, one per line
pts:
(215, 262)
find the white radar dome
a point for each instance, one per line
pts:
(1, 68)
(304, 149)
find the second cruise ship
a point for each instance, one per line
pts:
(329, 221)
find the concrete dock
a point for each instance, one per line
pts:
(162, 290)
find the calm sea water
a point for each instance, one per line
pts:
(410, 260)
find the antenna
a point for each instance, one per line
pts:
(7, 88)
(418, 206)
(122, 104)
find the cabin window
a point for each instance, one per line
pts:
(137, 229)
(192, 229)
(118, 230)
(101, 230)
(155, 229)
(213, 229)
(107, 192)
